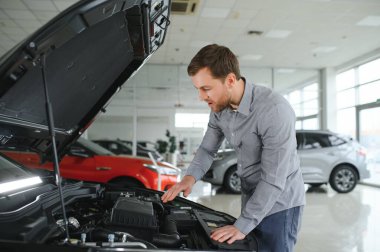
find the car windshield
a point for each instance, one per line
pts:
(96, 148)
(125, 144)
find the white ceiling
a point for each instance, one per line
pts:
(295, 33)
(318, 33)
(302, 34)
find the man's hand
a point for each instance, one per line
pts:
(184, 186)
(229, 232)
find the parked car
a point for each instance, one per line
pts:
(53, 85)
(122, 147)
(91, 162)
(325, 157)
(146, 144)
(101, 218)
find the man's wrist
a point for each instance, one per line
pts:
(189, 179)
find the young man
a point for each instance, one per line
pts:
(259, 123)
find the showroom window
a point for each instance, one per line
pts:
(358, 109)
(305, 104)
(355, 87)
(191, 120)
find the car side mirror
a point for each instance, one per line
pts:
(79, 152)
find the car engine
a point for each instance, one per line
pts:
(135, 219)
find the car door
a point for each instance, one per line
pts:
(316, 157)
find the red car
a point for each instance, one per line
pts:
(88, 161)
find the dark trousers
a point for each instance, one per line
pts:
(278, 232)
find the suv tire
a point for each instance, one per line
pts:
(232, 181)
(343, 179)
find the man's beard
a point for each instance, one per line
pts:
(223, 104)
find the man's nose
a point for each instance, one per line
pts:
(202, 95)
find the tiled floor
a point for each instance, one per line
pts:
(331, 222)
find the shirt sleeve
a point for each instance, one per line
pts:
(205, 154)
(277, 130)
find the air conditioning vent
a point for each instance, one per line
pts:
(184, 7)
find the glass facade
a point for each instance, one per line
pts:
(358, 104)
(305, 102)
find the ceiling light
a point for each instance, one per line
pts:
(278, 34)
(215, 12)
(285, 70)
(369, 21)
(251, 57)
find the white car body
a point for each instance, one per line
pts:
(325, 157)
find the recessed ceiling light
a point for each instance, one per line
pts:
(285, 70)
(251, 57)
(369, 21)
(278, 34)
(324, 49)
(215, 12)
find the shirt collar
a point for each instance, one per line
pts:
(246, 100)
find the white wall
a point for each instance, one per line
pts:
(148, 128)
(118, 121)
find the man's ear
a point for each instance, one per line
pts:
(230, 80)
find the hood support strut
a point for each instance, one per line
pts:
(50, 118)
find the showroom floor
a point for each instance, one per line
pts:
(331, 223)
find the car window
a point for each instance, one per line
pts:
(299, 140)
(113, 147)
(77, 149)
(96, 148)
(316, 141)
(126, 150)
(335, 141)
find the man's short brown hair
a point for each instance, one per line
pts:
(219, 59)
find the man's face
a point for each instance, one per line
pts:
(213, 91)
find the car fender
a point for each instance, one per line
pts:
(123, 167)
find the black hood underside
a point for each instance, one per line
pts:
(87, 53)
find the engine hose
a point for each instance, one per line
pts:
(170, 238)
(158, 207)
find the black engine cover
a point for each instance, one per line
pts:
(132, 214)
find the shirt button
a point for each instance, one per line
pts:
(232, 134)
(239, 165)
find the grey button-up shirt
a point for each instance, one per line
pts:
(262, 131)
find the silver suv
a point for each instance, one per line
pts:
(325, 157)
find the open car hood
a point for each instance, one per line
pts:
(86, 53)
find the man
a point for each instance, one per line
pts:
(259, 124)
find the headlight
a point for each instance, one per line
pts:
(163, 170)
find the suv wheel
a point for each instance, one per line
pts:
(343, 179)
(232, 181)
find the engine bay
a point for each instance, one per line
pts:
(133, 219)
